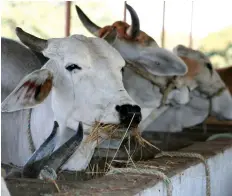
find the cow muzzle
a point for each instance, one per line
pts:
(130, 115)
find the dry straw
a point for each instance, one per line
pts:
(102, 131)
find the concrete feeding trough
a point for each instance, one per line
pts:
(147, 175)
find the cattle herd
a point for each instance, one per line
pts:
(54, 90)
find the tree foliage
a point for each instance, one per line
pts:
(218, 46)
(47, 19)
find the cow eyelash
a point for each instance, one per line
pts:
(72, 67)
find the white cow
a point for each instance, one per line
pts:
(139, 48)
(209, 84)
(82, 81)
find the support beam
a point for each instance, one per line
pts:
(191, 28)
(124, 12)
(163, 28)
(67, 17)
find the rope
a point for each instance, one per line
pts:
(150, 77)
(165, 91)
(218, 93)
(220, 135)
(29, 136)
(155, 172)
(170, 86)
(191, 155)
(145, 74)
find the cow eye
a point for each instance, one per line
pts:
(210, 67)
(72, 67)
(157, 63)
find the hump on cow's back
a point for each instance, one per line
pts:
(16, 62)
(18, 53)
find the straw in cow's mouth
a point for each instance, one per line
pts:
(101, 130)
(114, 131)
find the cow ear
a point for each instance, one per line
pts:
(31, 91)
(162, 62)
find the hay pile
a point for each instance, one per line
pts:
(101, 132)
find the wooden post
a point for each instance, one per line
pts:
(191, 26)
(124, 13)
(67, 17)
(163, 28)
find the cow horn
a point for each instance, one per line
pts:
(89, 25)
(110, 36)
(33, 166)
(31, 41)
(64, 152)
(134, 29)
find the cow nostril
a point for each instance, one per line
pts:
(136, 108)
(127, 112)
(117, 108)
(124, 110)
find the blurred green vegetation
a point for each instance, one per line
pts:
(47, 20)
(29, 16)
(218, 46)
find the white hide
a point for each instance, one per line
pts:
(158, 61)
(16, 62)
(4, 189)
(221, 103)
(178, 117)
(161, 62)
(148, 95)
(83, 95)
(222, 106)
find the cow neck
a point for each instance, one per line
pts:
(218, 93)
(165, 89)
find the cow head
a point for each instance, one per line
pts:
(124, 31)
(83, 77)
(135, 45)
(208, 81)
